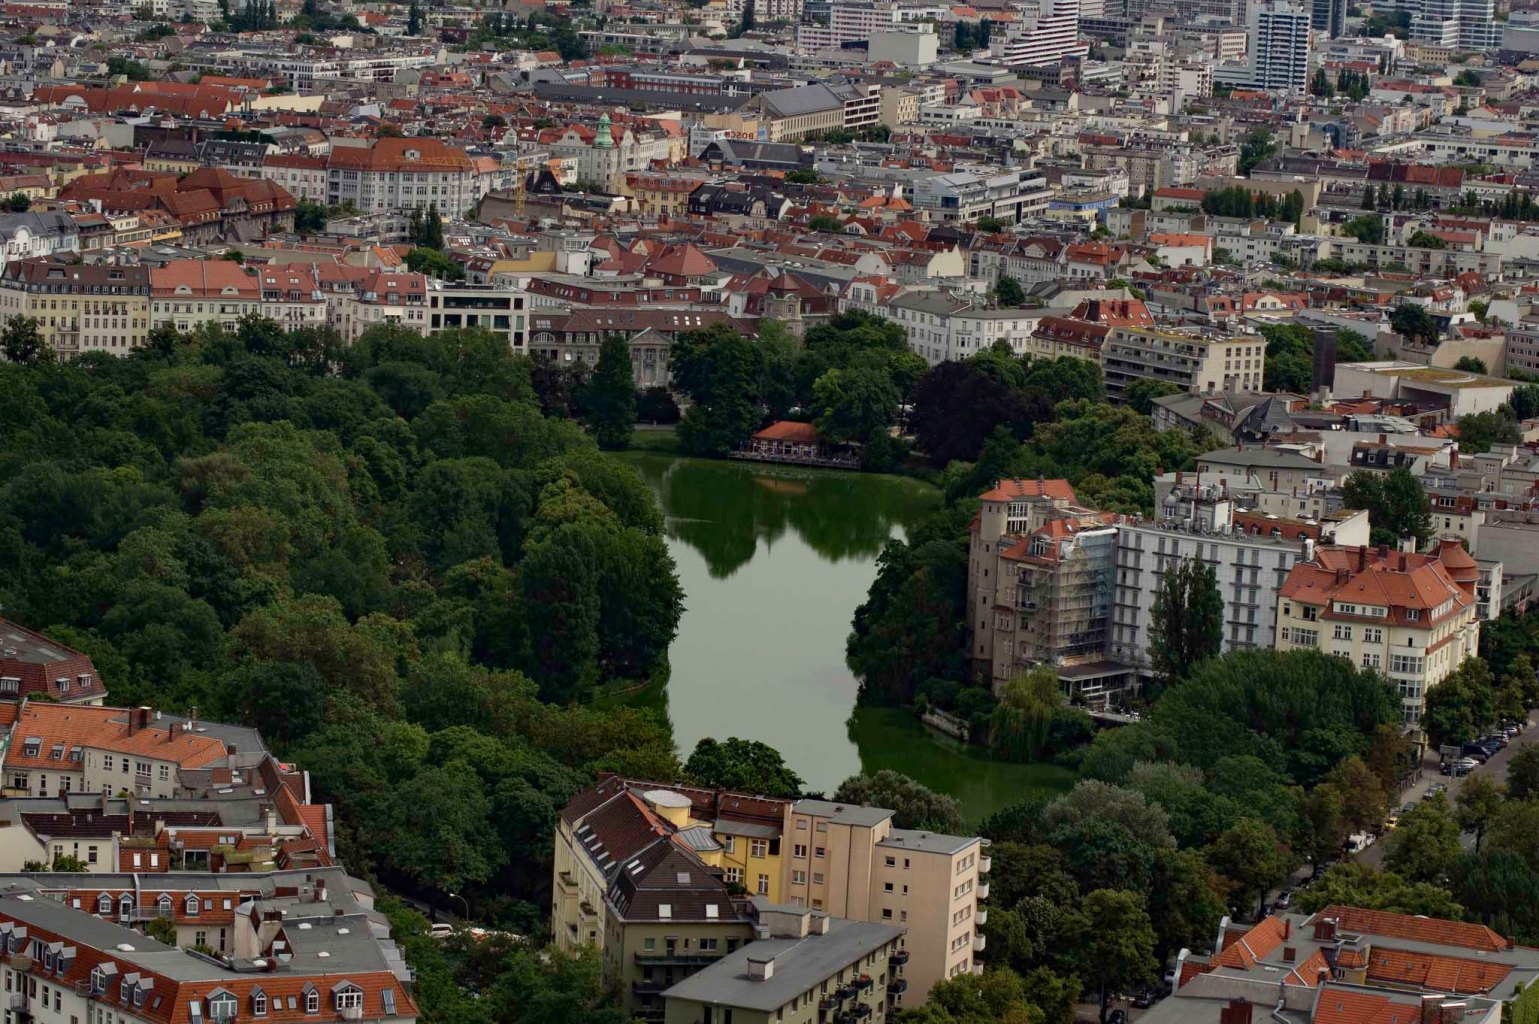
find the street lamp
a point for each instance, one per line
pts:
(457, 896)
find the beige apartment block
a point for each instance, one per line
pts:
(1193, 360)
(851, 862)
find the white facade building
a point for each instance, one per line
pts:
(1044, 37)
(1278, 49)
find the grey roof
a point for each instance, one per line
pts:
(698, 838)
(612, 96)
(804, 99)
(800, 964)
(927, 842)
(746, 828)
(1258, 456)
(844, 814)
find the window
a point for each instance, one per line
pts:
(191, 906)
(729, 843)
(350, 999)
(312, 1001)
(764, 885)
(819, 852)
(734, 875)
(259, 1003)
(106, 762)
(1405, 663)
(165, 773)
(758, 848)
(164, 903)
(104, 904)
(799, 851)
(1343, 632)
(798, 878)
(1413, 614)
(221, 1007)
(1373, 635)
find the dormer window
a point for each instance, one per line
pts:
(258, 1003)
(222, 1006)
(348, 996)
(312, 1000)
(191, 906)
(163, 905)
(104, 904)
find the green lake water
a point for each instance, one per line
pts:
(774, 561)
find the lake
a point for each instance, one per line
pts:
(774, 561)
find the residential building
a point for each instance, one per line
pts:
(66, 964)
(1047, 35)
(645, 871)
(852, 21)
(852, 862)
(31, 235)
(805, 967)
(943, 327)
(189, 293)
(1250, 553)
(389, 175)
(79, 307)
(1277, 50)
(1349, 965)
(1041, 570)
(32, 665)
(961, 197)
(1328, 18)
(1193, 360)
(209, 204)
(1458, 24)
(1411, 616)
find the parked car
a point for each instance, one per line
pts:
(1117, 1017)
(1476, 751)
(441, 930)
(1461, 769)
(1145, 999)
(1391, 823)
(1283, 899)
(1435, 789)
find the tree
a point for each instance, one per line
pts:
(18, 202)
(1364, 799)
(1424, 239)
(1367, 228)
(1188, 620)
(825, 224)
(1112, 943)
(913, 805)
(1415, 323)
(1480, 798)
(414, 20)
(1320, 85)
(20, 340)
(1094, 801)
(1252, 856)
(854, 404)
(1257, 146)
(1352, 884)
(1008, 292)
(611, 395)
(1469, 364)
(1140, 395)
(744, 766)
(309, 218)
(1396, 503)
(1523, 774)
(1479, 431)
(1425, 844)
(1186, 901)
(1460, 707)
(1368, 201)
(161, 929)
(957, 406)
(1525, 401)
(718, 369)
(803, 176)
(431, 261)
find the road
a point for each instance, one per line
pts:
(1496, 767)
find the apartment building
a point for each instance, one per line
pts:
(804, 968)
(1192, 360)
(32, 664)
(962, 197)
(56, 749)
(852, 21)
(292, 294)
(390, 175)
(1251, 554)
(648, 873)
(1044, 38)
(61, 964)
(187, 294)
(851, 862)
(79, 307)
(1408, 615)
(1277, 52)
(942, 327)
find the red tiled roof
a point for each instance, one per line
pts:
(1010, 490)
(1417, 929)
(789, 430)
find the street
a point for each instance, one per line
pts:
(1496, 767)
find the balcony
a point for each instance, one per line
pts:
(845, 992)
(567, 883)
(979, 941)
(860, 1011)
(899, 958)
(863, 982)
(985, 864)
(983, 890)
(898, 987)
(982, 916)
(687, 959)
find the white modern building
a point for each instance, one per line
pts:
(1044, 36)
(964, 196)
(1460, 24)
(1277, 56)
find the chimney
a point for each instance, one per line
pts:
(1289, 954)
(761, 968)
(1287, 928)
(1237, 1012)
(1325, 929)
(1453, 1013)
(1431, 1008)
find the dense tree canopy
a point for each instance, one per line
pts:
(383, 555)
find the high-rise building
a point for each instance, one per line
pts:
(1461, 24)
(1277, 53)
(1043, 38)
(1328, 17)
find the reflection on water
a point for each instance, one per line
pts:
(774, 561)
